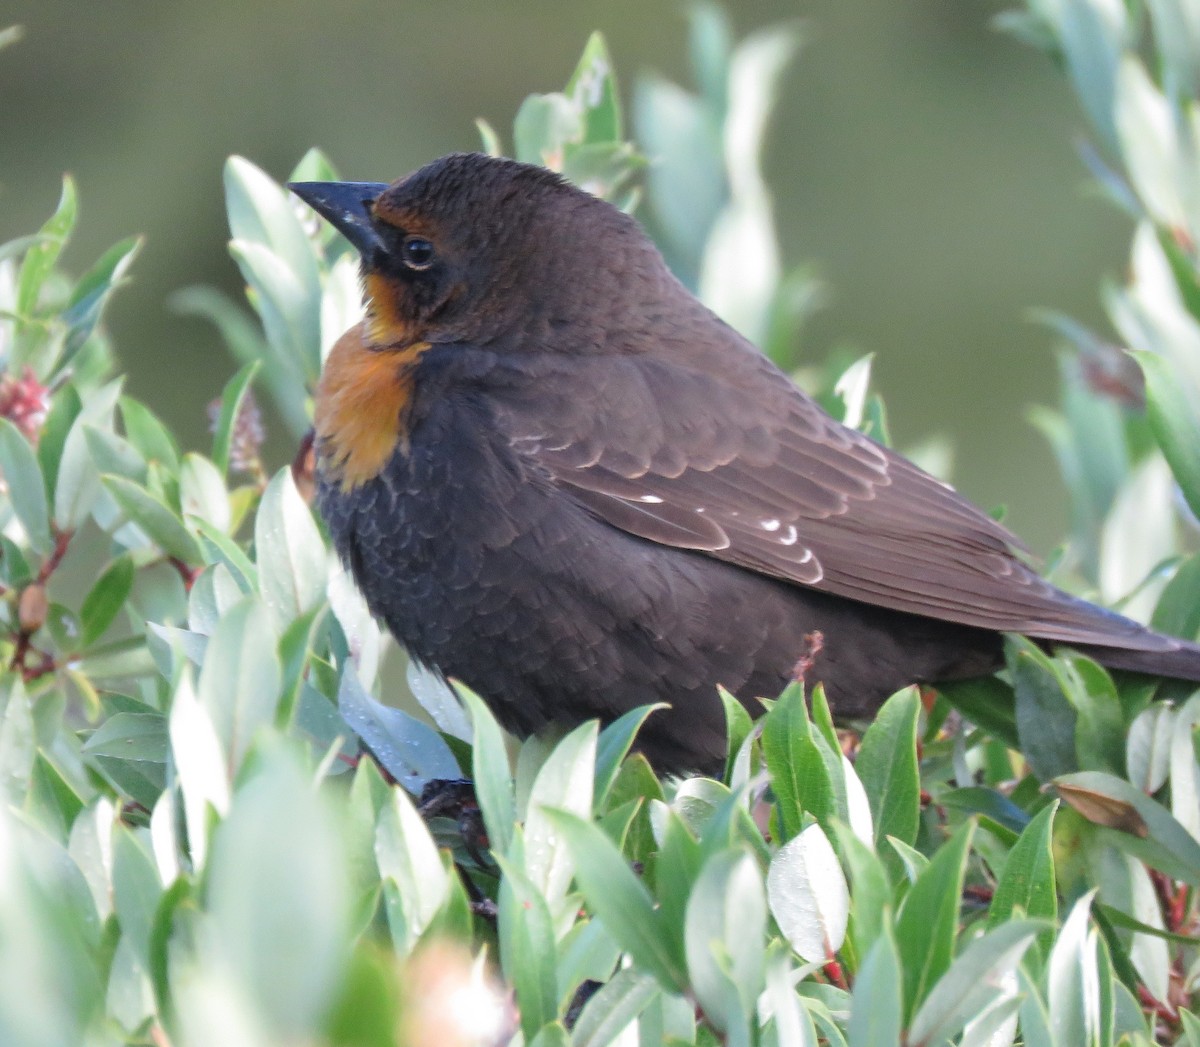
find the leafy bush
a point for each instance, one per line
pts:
(196, 847)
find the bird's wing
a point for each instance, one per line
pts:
(726, 456)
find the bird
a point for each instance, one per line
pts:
(559, 478)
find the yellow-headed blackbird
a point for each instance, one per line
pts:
(559, 478)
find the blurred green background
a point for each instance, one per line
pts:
(924, 162)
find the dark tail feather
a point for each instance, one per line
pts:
(1115, 641)
(1181, 663)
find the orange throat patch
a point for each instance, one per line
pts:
(361, 407)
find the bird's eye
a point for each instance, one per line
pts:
(417, 252)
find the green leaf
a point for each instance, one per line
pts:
(738, 726)
(90, 847)
(1091, 40)
(200, 766)
(1191, 1027)
(1027, 881)
(565, 781)
(799, 776)
(278, 261)
(870, 891)
(1071, 977)
(213, 592)
(412, 752)
(553, 1034)
(617, 1003)
(18, 747)
(527, 952)
(887, 765)
(260, 211)
(585, 953)
(1185, 767)
(289, 311)
(687, 184)
(489, 140)
(292, 561)
(613, 746)
(15, 572)
(168, 644)
(314, 166)
(152, 439)
(620, 901)
(281, 933)
(1148, 747)
(295, 647)
(719, 816)
(928, 920)
(677, 864)
(913, 861)
(130, 736)
(43, 253)
(1123, 920)
(408, 857)
(1133, 822)
(131, 749)
(982, 976)
(136, 889)
(593, 89)
(367, 1010)
(1171, 405)
(604, 170)
(162, 525)
(987, 702)
(1036, 1029)
(790, 1021)
(118, 659)
(877, 1010)
(232, 398)
(359, 817)
(544, 127)
(26, 487)
(724, 938)
(240, 678)
(65, 407)
(1177, 34)
(1046, 720)
(492, 774)
(1100, 725)
(202, 492)
(170, 921)
(808, 895)
(220, 548)
(88, 299)
(112, 454)
(1148, 139)
(437, 696)
(1178, 608)
(1006, 818)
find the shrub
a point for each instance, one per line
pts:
(208, 835)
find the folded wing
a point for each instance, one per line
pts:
(725, 456)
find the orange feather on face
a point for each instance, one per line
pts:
(362, 400)
(386, 322)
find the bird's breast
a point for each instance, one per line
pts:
(362, 408)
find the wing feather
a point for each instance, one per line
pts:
(716, 450)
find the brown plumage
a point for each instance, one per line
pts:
(558, 477)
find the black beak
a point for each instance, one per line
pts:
(347, 207)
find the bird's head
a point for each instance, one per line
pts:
(472, 251)
(472, 248)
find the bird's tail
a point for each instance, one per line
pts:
(1181, 662)
(1115, 641)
